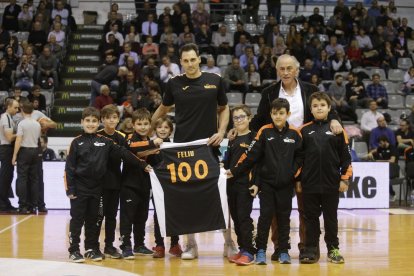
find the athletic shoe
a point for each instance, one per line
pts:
(334, 256)
(229, 249)
(42, 210)
(112, 252)
(261, 257)
(284, 258)
(275, 255)
(98, 251)
(127, 253)
(235, 257)
(393, 198)
(93, 255)
(309, 256)
(245, 259)
(76, 257)
(142, 251)
(176, 250)
(159, 252)
(190, 253)
(24, 211)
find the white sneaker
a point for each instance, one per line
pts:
(230, 249)
(190, 253)
(393, 198)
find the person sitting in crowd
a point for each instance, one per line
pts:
(377, 91)
(381, 130)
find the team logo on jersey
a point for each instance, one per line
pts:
(288, 140)
(244, 145)
(210, 86)
(80, 144)
(97, 144)
(312, 132)
(329, 133)
(270, 139)
(185, 87)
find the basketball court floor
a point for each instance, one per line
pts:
(373, 242)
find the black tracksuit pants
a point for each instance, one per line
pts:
(108, 210)
(27, 169)
(274, 201)
(240, 205)
(84, 211)
(6, 174)
(314, 205)
(133, 215)
(159, 240)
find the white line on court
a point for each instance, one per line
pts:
(350, 213)
(14, 224)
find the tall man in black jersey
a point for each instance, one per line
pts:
(200, 102)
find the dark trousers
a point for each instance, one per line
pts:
(302, 226)
(109, 209)
(133, 216)
(240, 205)
(6, 175)
(27, 166)
(84, 210)
(159, 240)
(327, 204)
(273, 202)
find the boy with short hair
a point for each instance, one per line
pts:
(276, 147)
(86, 164)
(326, 171)
(112, 180)
(136, 186)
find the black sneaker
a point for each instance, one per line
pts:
(275, 255)
(98, 251)
(24, 211)
(76, 257)
(334, 256)
(93, 255)
(112, 252)
(309, 256)
(42, 210)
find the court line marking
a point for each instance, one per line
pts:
(347, 213)
(14, 224)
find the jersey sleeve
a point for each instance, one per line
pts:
(19, 130)
(168, 98)
(221, 94)
(70, 168)
(345, 158)
(127, 156)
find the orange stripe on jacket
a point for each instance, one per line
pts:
(261, 130)
(348, 173)
(139, 144)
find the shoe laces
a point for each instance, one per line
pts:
(335, 252)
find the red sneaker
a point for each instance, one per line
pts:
(159, 252)
(245, 259)
(176, 250)
(233, 258)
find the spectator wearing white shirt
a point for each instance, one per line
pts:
(223, 41)
(369, 118)
(364, 41)
(168, 69)
(149, 27)
(127, 53)
(409, 81)
(210, 67)
(25, 18)
(118, 36)
(60, 10)
(58, 33)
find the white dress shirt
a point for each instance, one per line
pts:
(296, 105)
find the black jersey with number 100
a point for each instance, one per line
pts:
(196, 103)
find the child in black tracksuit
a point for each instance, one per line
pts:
(276, 146)
(163, 129)
(326, 170)
(86, 164)
(239, 190)
(136, 187)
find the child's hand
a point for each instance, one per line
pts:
(229, 174)
(158, 141)
(148, 168)
(231, 135)
(72, 196)
(298, 187)
(253, 190)
(343, 186)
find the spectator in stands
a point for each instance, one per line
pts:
(308, 33)
(313, 49)
(113, 19)
(168, 69)
(47, 66)
(154, 93)
(253, 78)
(184, 6)
(104, 98)
(308, 70)
(37, 37)
(409, 81)
(36, 95)
(135, 69)
(10, 14)
(268, 29)
(176, 17)
(11, 58)
(354, 53)
(340, 63)
(241, 46)
(355, 92)
(337, 93)
(377, 91)
(127, 53)
(14, 44)
(374, 10)
(239, 32)
(109, 77)
(210, 66)
(390, 31)
(387, 56)
(184, 21)
(132, 36)
(31, 56)
(166, 13)
(404, 136)
(203, 38)
(280, 47)
(130, 84)
(111, 46)
(61, 11)
(55, 48)
(151, 69)
(274, 9)
(168, 34)
(44, 24)
(4, 39)
(405, 28)
(341, 31)
(369, 118)
(126, 126)
(315, 80)
(48, 154)
(109, 60)
(114, 31)
(25, 19)
(367, 22)
(24, 74)
(410, 118)
(400, 44)
(267, 64)
(17, 94)
(5, 76)
(186, 36)
(364, 41)
(58, 33)
(200, 16)
(127, 105)
(235, 77)
(223, 41)
(381, 130)
(333, 46)
(247, 58)
(149, 27)
(271, 37)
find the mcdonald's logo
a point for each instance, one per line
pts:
(59, 126)
(68, 82)
(75, 46)
(65, 96)
(72, 58)
(61, 110)
(71, 69)
(77, 36)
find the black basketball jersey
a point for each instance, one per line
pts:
(189, 189)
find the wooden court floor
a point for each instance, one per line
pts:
(373, 242)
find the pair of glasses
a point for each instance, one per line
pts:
(239, 118)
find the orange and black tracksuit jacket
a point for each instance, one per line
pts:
(326, 158)
(276, 151)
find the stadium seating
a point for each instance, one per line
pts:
(253, 99)
(405, 63)
(234, 98)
